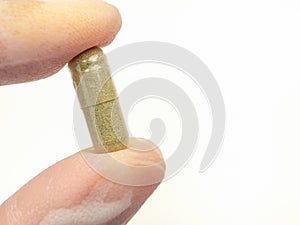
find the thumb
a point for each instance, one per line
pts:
(72, 193)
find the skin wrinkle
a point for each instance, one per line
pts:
(14, 212)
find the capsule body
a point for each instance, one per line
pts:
(99, 100)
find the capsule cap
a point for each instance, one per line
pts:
(91, 78)
(99, 100)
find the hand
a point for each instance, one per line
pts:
(37, 38)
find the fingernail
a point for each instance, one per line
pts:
(130, 166)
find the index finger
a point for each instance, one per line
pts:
(37, 38)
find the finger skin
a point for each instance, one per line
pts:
(70, 192)
(37, 38)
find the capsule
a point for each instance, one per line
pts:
(99, 100)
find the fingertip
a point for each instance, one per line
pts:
(38, 38)
(72, 192)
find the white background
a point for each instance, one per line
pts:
(253, 49)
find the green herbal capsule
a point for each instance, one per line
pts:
(99, 100)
